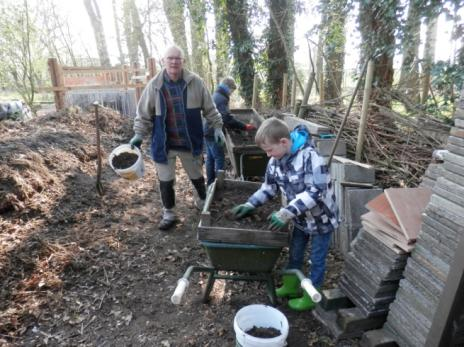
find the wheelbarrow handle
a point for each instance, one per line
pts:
(307, 286)
(182, 285)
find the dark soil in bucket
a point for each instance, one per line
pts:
(225, 200)
(266, 333)
(124, 160)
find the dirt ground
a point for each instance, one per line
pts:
(79, 269)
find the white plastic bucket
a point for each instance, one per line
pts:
(131, 173)
(261, 316)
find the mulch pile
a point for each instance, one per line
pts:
(79, 269)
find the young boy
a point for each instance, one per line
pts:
(299, 172)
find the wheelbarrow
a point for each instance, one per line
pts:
(244, 254)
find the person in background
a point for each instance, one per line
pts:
(171, 110)
(299, 172)
(215, 158)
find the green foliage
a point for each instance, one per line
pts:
(20, 50)
(446, 79)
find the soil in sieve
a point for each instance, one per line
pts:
(124, 160)
(228, 198)
(243, 138)
(266, 333)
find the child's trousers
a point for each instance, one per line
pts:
(319, 248)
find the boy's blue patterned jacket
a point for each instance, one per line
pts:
(305, 183)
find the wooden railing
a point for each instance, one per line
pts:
(65, 78)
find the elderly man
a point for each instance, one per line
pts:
(172, 106)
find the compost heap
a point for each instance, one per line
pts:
(81, 269)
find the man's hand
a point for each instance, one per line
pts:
(278, 220)
(243, 210)
(219, 137)
(136, 141)
(250, 127)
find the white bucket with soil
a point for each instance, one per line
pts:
(260, 326)
(127, 162)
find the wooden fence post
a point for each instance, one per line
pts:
(151, 64)
(309, 86)
(56, 74)
(254, 99)
(293, 96)
(364, 109)
(138, 85)
(284, 90)
(125, 76)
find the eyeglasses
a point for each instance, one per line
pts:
(174, 58)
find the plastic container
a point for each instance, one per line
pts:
(131, 173)
(261, 316)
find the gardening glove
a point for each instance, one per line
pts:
(250, 127)
(219, 137)
(278, 220)
(243, 210)
(136, 141)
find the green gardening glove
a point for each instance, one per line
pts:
(136, 141)
(278, 220)
(243, 210)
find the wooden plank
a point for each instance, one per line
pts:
(408, 205)
(242, 236)
(381, 205)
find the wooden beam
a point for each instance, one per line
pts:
(254, 99)
(56, 75)
(365, 109)
(284, 90)
(307, 92)
(293, 95)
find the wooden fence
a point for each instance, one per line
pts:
(66, 78)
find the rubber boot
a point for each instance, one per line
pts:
(199, 184)
(168, 199)
(305, 303)
(290, 287)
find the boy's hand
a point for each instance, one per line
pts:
(278, 220)
(242, 210)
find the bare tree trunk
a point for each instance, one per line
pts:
(131, 39)
(409, 77)
(320, 64)
(97, 25)
(429, 56)
(222, 41)
(242, 46)
(174, 10)
(378, 24)
(197, 11)
(137, 31)
(122, 61)
(278, 61)
(334, 49)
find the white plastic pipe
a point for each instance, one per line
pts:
(182, 285)
(307, 285)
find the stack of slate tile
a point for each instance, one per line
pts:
(411, 314)
(372, 274)
(379, 253)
